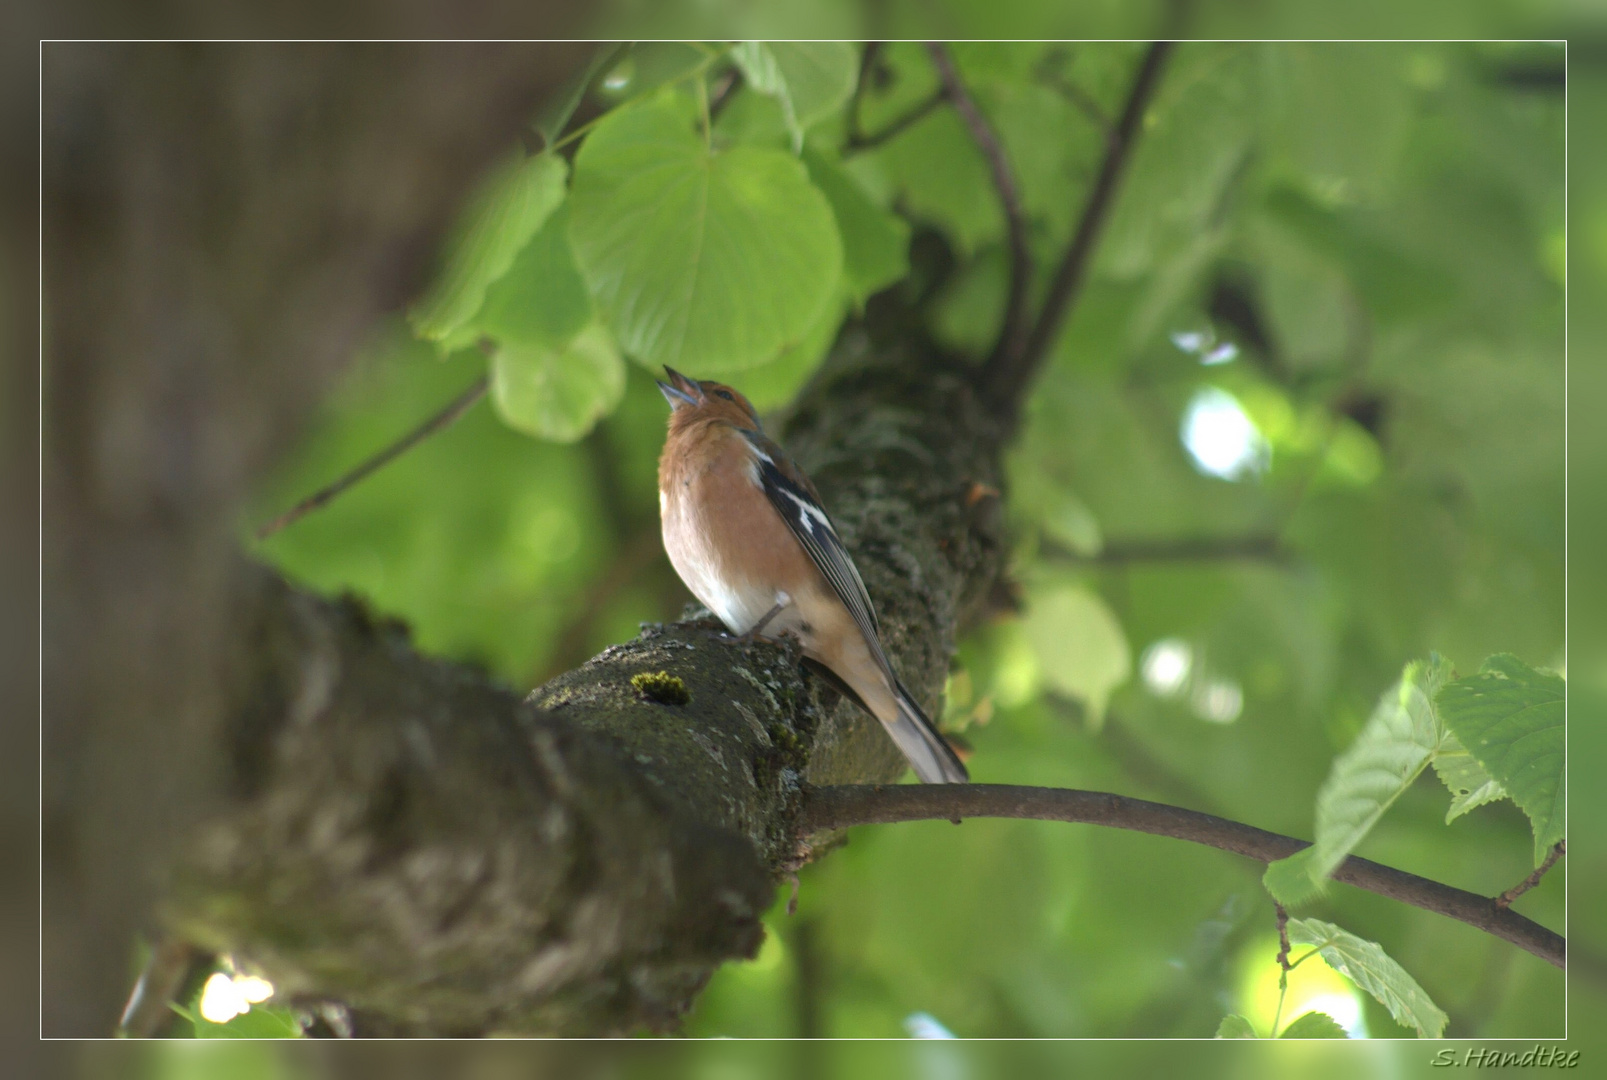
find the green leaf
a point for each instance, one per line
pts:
(558, 393)
(778, 382)
(1394, 746)
(554, 116)
(1234, 1026)
(808, 78)
(1080, 645)
(1291, 882)
(515, 200)
(258, 1022)
(944, 179)
(1314, 1025)
(1464, 777)
(1370, 968)
(542, 299)
(1511, 719)
(875, 242)
(712, 262)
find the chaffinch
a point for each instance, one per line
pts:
(744, 528)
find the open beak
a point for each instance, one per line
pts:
(679, 390)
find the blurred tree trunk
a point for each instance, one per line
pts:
(279, 776)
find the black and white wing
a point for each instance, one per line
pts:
(807, 519)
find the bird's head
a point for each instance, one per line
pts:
(693, 399)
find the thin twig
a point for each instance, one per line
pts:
(1264, 547)
(443, 419)
(1013, 330)
(1283, 963)
(858, 140)
(837, 807)
(1283, 935)
(1558, 850)
(1006, 382)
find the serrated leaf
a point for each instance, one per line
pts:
(1234, 1026)
(1314, 1025)
(712, 262)
(514, 201)
(1394, 746)
(542, 299)
(558, 393)
(1464, 777)
(808, 78)
(1080, 645)
(1511, 718)
(1366, 964)
(875, 242)
(1291, 882)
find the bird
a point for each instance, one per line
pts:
(745, 530)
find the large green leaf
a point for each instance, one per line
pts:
(1234, 1026)
(1080, 645)
(1394, 747)
(772, 385)
(875, 242)
(710, 261)
(1314, 1025)
(809, 78)
(558, 393)
(514, 201)
(542, 299)
(1370, 968)
(1511, 719)
(1464, 777)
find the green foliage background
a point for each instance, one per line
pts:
(1377, 229)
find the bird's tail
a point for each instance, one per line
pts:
(934, 759)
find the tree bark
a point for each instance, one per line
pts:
(283, 778)
(221, 223)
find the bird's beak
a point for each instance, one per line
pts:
(680, 390)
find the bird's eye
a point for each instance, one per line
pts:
(725, 394)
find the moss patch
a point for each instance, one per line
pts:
(662, 687)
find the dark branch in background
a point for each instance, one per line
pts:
(1012, 332)
(1264, 547)
(443, 419)
(858, 140)
(725, 88)
(1558, 850)
(1006, 379)
(839, 807)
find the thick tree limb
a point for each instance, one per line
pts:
(839, 807)
(1006, 379)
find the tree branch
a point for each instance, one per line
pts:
(440, 421)
(1012, 331)
(1005, 380)
(829, 808)
(858, 140)
(1558, 850)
